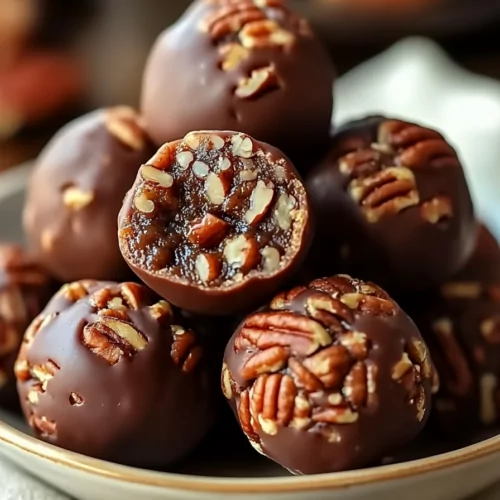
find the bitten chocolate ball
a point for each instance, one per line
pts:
(25, 289)
(392, 204)
(216, 223)
(76, 192)
(462, 328)
(107, 371)
(246, 65)
(330, 377)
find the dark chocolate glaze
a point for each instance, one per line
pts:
(387, 419)
(294, 116)
(99, 154)
(25, 288)
(229, 296)
(402, 251)
(145, 410)
(461, 324)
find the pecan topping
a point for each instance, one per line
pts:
(112, 339)
(233, 55)
(260, 81)
(76, 399)
(40, 374)
(74, 291)
(415, 364)
(307, 366)
(46, 427)
(490, 330)
(384, 193)
(230, 18)
(462, 382)
(381, 176)
(265, 33)
(488, 409)
(123, 123)
(416, 146)
(461, 290)
(437, 209)
(77, 199)
(240, 26)
(185, 350)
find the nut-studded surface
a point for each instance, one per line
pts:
(108, 371)
(25, 288)
(269, 77)
(214, 214)
(327, 369)
(461, 323)
(76, 192)
(399, 192)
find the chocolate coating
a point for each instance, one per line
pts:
(25, 288)
(216, 223)
(76, 192)
(461, 324)
(107, 371)
(392, 204)
(329, 377)
(254, 67)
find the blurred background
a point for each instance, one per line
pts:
(59, 58)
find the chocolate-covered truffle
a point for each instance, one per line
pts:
(462, 327)
(329, 377)
(216, 222)
(76, 192)
(246, 65)
(392, 204)
(25, 288)
(107, 371)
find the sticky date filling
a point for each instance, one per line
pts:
(214, 208)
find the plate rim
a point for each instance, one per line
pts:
(191, 483)
(13, 181)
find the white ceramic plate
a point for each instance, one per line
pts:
(415, 80)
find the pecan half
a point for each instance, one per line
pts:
(488, 413)
(303, 336)
(417, 146)
(385, 193)
(230, 18)
(112, 339)
(462, 382)
(185, 350)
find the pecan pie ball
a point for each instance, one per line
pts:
(216, 223)
(76, 192)
(392, 204)
(107, 370)
(247, 65)
(331, 376)
(462, 328)
(25, 288)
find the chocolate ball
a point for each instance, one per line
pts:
(392, 204)
(107, 371)
(255, 67)
(76, 192)
(216, 223)
(25, 288)
(461, 324)
(331, 376)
